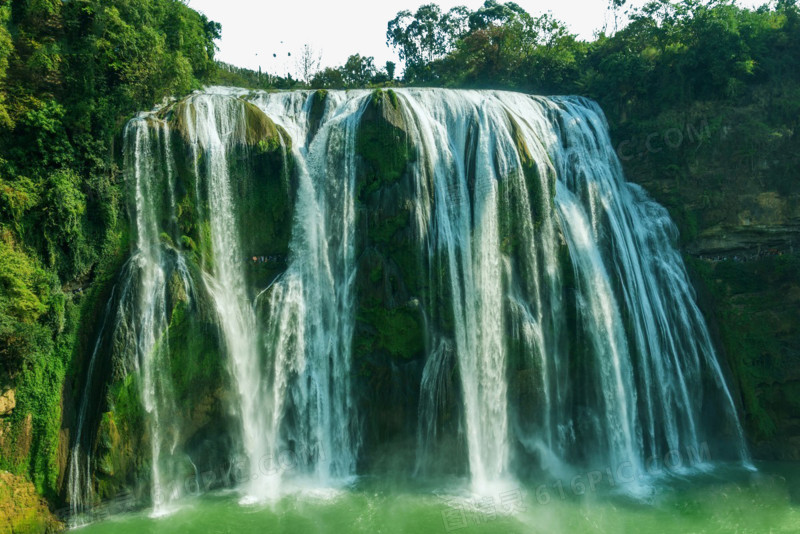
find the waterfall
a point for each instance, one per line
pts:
(151, 265)
(558, 325)
(304, 356)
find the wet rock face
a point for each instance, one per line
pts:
(400, 296)
(261, 169)
(318, 105)
(389, 339)
(382, 144)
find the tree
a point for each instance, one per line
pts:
(390, 69)
(6, 49)
(308, 63)
(494, 14)
(508, 48)
(71, 74)
(328, 78)
(358, 71)
(426, 35)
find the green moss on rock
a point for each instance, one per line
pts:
(22, 509)
(261, 172)
(319, 100)
(197, 368)
(390, 337)
(121, 439)
(382, 142)
(756, 306)
(261, 131)
(396, 332)
(533, 178)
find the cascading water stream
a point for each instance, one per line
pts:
(215, 123)
(465, 228)
(305, 355)
(136, 322)
(671, 347)
(621, 256)
(311, 335)
(150, 267)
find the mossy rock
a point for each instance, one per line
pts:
(382, 142)
(386, 190)
(533, 176)
(258, 130)
(265, 191)
(261, 173)
(319, 101)
(755, 309)
(122, 440)
(396, 332)
(262, 132)
(22, 509)
(196, 362)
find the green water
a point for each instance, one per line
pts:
(723, 501)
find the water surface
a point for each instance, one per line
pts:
(724, 500)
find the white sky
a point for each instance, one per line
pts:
(252, 30)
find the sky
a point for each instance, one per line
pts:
(253, 30)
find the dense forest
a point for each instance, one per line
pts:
(71, 74)
(723, 77)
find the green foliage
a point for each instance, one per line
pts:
(328, 78)
(6, 48)
(522, 52)
(25, 286)
(426, 35)
(65, 220)
(232, 76)
(674, 53)
(17, 197)
(70, 75)
(41, 138)
(498, 45)
(391, 66)
(671, 52)
(358, 71)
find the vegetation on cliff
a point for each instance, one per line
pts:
(70, 74)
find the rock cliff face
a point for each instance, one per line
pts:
(389, 339)
(730, 178)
